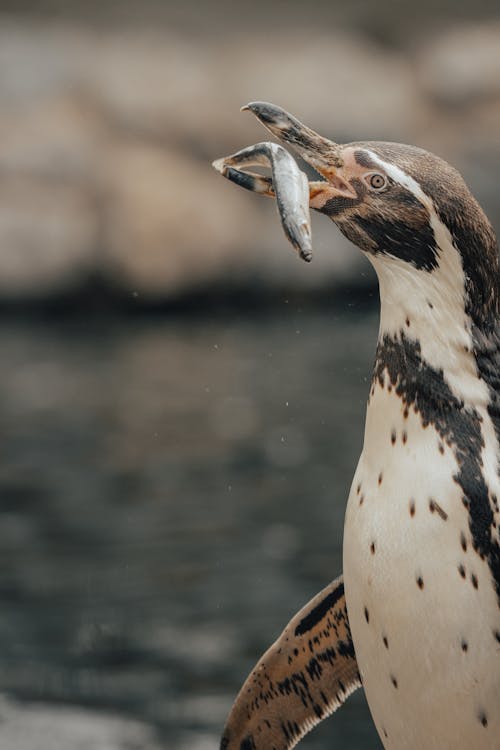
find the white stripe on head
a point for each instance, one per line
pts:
(399, 176)
(444, 240)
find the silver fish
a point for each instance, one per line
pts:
(288, 184)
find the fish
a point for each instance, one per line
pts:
(288, 184)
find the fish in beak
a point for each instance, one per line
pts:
(288, 184)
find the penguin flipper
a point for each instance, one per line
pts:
(301, 679)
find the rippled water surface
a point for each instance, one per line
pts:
(171, 492)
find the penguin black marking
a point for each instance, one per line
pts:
(426, 390)
(409, 237)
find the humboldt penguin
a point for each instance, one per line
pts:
(415, 619)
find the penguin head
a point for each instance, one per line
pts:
(408, 210)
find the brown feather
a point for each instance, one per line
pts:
(305, 676)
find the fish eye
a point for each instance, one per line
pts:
(377, 181)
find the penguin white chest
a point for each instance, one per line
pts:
(423, 612)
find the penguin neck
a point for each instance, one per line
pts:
(425, 312)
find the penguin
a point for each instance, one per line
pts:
(415, 618)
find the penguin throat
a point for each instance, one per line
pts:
(428, 308)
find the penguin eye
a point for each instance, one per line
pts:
(377, 181)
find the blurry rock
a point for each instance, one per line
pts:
(60, 137)
(107, 136)
(334, 82)
(157, 84)
(41, 60)
(47, 237)
(39, 726)
(463, 64)
(171, 225)
(190, 91)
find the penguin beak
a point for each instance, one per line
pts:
(323, 155)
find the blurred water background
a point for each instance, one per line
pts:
(181, 398)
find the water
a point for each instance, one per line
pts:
(171, 492)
